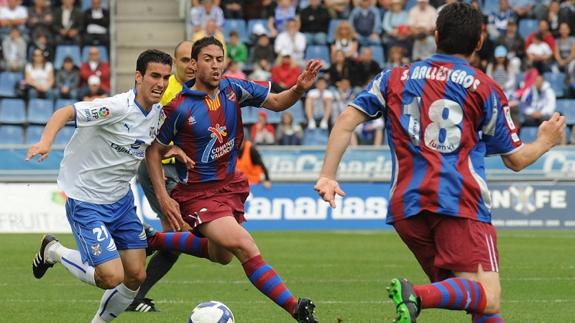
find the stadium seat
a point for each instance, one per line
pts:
(103, 53)
(318, 52)
(8, 83)
(557, 82)
(87, 4)
(237, 25)
(64, 135)
(315, 137)
(331, 30)
(378, 55)
(410, 4)
(33, 134)
(12, 111)
(274, 117)
(67, 50)
(62, 103)
(528, 134)
(489, 6)
(567, 108)
(568, 135)
(527, 26)
(12, 135)
(297, 112)
(40, 110)
(249, 115)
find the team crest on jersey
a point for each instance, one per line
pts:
(96, 249)
(230, 94)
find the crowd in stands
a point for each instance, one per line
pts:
(52, 52)
(529, 50)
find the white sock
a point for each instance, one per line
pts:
(114, 302)
(72, 260)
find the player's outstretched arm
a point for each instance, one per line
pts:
(56, 122)
(285, 99)
(339, 139)
(170, 208)
(551, 133)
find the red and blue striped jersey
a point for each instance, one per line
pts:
(210, 129)
(442, 118)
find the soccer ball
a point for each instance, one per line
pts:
(211, 312)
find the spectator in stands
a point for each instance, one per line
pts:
(283, 14)
(538, 102)
(39, 77)
(287, 132)
(539, 53)
(565, 50)
(40, 18)
(341, 67)
(233, 9)
(342, 96)
(237, 51)
(503, 72)
(261, 71)
(423, 47)
(14, 51)
(68, 80)
(338, 9)
(364, 69)
(318, 105)
(210, 30)
(567, 13)
(285, 72)
(13, 16)
(262, 132)
(291, 40)
(234, 71)
(366, 22)
(96, 25)
(95, 66)
(514, 43)
(369, 133)
(345, 40)
(94, 89)
(315, 23)
(395, 58)
(263, 49)
(200, 15)
(395, 25)
(42, 42)
(553, 17)
(67, 23)
(545, 34)
(259, 9)
(498, 20)
(421, 19)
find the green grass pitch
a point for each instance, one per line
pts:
(344, 273)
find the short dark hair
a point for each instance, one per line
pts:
(202, 43)
(459, 28)
(152, 56)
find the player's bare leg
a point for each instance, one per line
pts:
(227, 235)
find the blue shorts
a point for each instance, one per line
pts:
(101, 230)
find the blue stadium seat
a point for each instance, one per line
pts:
(318, 52)
(297, 112)
(40, 110)
(33, 134)
(12, 135)
(237, 25)
(274, 117)
(315, 137)
(67, 50)
(249, 115)
(527, 26)
(332, 27)
(103, 53)
(62, 103)
(568, 135)
(87, 4)
(528, 134)
(557, 82)
(489, 6)
(378, 55)
(64, 135)
(409, 4)
(8, 83)
(12, 111)
(567, 108)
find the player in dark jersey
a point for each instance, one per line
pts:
(205, 121)
(442, 117)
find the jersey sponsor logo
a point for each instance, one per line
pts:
(526, 199)
(96, 249)
(217, 134)
(135, 149)
(192, 121)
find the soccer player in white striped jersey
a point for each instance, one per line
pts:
(99, 161)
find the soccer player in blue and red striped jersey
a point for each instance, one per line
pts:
(442, 117)
(205, 121)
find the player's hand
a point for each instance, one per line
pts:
(306, 79)
(171, 210)
(552, 131)
(40, 148)
(327, 188)
(180, 155)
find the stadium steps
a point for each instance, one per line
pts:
(139, 25)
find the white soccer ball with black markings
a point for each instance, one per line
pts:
(211, 312)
